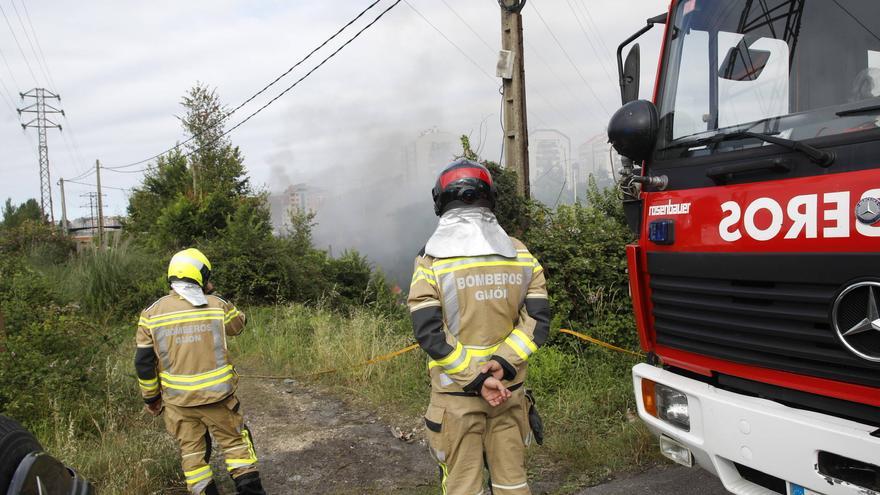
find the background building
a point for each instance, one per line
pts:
(596, 157)
(425, 157)
(553, 179)
(297, 198)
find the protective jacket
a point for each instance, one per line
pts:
(467, 310)
(181, 351)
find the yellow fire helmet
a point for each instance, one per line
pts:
(190, 265)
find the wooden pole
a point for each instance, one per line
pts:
(516, 136)
(100, 205)
(64, 226)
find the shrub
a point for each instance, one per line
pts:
(39, 239)
(49, 349)
(583, 251)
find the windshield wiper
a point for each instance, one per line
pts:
(858, 110)
(820, 157)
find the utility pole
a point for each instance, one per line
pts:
(516, 136)
(64, 225)
(100, 205)
(41, 122)
(91, 205)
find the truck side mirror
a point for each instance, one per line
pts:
(629, 78)
(629, 90)
(633, 129)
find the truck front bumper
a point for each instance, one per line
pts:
(727, 428)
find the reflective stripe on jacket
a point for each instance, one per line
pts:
(182, 354)
(468, 310)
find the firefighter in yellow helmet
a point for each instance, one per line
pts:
(479, 308)
(184, 370)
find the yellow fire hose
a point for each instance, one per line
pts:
(392, 355)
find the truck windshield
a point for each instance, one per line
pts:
(797, 69)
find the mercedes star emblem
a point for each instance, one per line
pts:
(856, 319)
(868, 210)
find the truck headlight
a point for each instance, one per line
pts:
(666, 403)
(672, 407)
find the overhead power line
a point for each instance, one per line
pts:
(66, 181)
(27, 37)
(460, 18)
(69, 137)
(7, 98)
(570, 61)
(494, 51)
(258, 93)
(135, 171)
(575, 95)
(599, 58)
(14, 37)
(37, 41)
(9, 69)
(276, 98)
(583, 5)
(441, 33)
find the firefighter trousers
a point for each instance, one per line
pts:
(193, 427)
(465, 434)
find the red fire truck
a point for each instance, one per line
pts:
(752, 182)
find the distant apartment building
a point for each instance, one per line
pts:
(297, 198)
(425, 156)
(552, 176)
(597, 158)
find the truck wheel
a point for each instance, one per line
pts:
(15, 444)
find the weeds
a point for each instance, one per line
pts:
(585, 397)
(107, 438)
(118, 280)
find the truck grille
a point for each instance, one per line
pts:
(769, 310)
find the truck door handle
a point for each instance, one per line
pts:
(725, 173)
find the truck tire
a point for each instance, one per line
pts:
(15, 444)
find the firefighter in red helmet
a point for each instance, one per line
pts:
(479, 308)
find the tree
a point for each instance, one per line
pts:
(216, 165)
(299, 232)
(190, 193)
(15, 216)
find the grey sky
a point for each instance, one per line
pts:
(121, 68)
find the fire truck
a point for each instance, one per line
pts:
(751, 181)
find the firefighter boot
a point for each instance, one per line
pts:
(249, 484)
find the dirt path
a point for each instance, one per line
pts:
(310, 442)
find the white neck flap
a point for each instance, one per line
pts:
(469, 231)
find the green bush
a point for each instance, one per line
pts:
(583, 251)
(69, 379)
(248, 264)
(48, 360)
(50, 350)
(38, 239)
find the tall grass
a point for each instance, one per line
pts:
(119, 280)
(67, 373)
(585, 397)
(303, 342)
(108, 439)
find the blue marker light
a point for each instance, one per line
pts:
(662, 232)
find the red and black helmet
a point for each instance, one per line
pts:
(463, 183)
